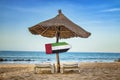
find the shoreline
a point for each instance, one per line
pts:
(61, 62)
(38, 62)
(88, 71)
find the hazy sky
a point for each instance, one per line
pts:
(100, 17)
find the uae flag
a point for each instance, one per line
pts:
(57, 47)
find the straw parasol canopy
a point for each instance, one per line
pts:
(68, 29)
(61, 28)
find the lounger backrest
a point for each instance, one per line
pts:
(70, 65)
(43, 65)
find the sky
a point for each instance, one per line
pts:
(99, 17)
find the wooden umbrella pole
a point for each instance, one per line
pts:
(57, 54)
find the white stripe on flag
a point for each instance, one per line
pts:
(61, 47)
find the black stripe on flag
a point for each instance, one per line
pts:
(60, 51)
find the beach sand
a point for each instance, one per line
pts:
(88, 71)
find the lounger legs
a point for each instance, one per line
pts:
(36, 70)
(62, 70)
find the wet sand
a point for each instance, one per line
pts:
(88, 71)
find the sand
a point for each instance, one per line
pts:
(88, 71)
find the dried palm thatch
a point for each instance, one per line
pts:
(67, 28)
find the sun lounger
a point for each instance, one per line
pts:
(69, 66)
(44, 66)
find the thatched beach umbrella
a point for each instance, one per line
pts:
(61, 28)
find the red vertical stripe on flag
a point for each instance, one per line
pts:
(48, 48)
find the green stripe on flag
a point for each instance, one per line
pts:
(59, 44)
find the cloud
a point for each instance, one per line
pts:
(111, 10)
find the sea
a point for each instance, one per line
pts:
(33, 57)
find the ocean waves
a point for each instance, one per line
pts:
(38, 57)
